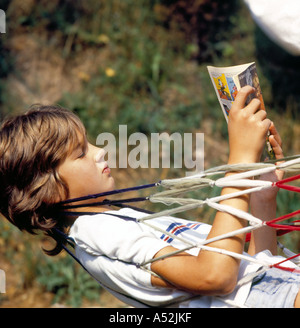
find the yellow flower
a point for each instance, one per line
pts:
(103, 38)
(110, 72)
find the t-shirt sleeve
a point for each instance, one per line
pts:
(116, 238)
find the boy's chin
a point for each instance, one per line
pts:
(111, 185)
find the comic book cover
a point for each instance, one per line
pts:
(227, 81)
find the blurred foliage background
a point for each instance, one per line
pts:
(143, 64)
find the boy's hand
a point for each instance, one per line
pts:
(263, 204)
(276, 142)
(247, 129)
(268, 195)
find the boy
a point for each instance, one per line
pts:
(45, 159)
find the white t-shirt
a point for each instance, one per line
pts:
(112, 248)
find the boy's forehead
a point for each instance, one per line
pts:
(78, 142)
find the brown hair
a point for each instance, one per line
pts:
(32, 145)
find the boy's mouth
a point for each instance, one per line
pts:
(106, 169)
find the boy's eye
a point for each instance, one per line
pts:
(81, 150)
(81, 155)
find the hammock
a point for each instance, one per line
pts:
(172, 195)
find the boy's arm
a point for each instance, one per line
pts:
(212, 273)
(263, 204)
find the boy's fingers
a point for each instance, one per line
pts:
(262, 114)
(254, 106)
(276, 147)
(241, 97)
(267, 123)
(275, 134)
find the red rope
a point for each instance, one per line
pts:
(282, 229)
(279, 266)
(282, 183)
(290, 227)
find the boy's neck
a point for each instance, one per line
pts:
(88, 209)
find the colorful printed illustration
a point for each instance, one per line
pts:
(250, 77)
(222, 87)
(232, 87)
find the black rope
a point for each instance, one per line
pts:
(108, 193)
(107, 202)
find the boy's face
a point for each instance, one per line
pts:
(85, 171)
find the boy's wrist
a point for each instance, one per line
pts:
(263, 199)
(241, 159)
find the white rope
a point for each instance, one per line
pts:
(289, 253)
(250, 174)
(200, 180)
(245, 171)
(236, 212)
(233, 195)
(236, 255)
(242, 183)
(250, 276)
(202, 245)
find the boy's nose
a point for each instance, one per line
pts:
(99, 154)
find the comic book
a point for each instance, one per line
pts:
(227, 81)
